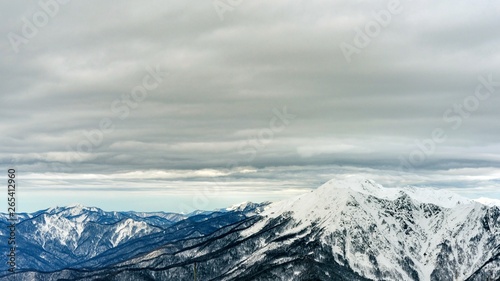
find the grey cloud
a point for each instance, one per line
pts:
(226, 77)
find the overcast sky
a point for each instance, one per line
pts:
(147, 104)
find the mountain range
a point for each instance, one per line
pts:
(351, 229)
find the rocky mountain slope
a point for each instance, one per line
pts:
(353, 229)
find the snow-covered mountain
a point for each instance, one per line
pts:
(249, 208)
(398, 233)
(78, 236)
(353, 229)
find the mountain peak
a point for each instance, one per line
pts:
(440, 197)
(75, 205)
(357, 184)
(78, 208)
(353, 214)
(348, 229)
(71, 210)
(488, 201)
(334, 196)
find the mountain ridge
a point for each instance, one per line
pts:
(353, 229)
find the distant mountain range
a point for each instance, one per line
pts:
(352, 229)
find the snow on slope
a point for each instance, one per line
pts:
(354, 224)
(330, 198)
(67, 226)
(488, 201)
(443, 198)
(372, 228)
(127, 229)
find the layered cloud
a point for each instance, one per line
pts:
(258, 84)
